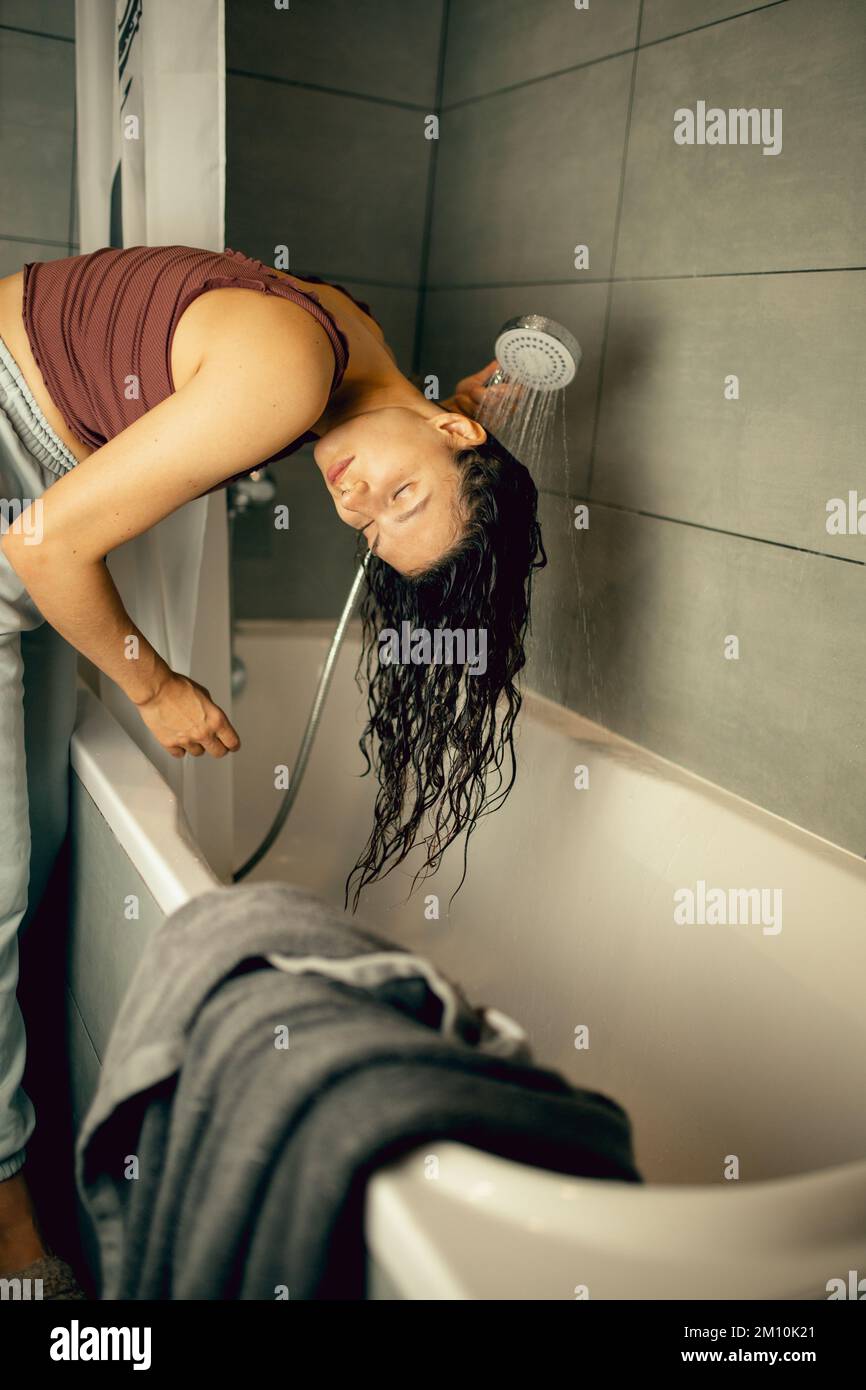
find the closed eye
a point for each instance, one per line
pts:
(403, 517)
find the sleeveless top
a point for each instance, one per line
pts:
(101, 327)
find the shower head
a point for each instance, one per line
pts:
(537, 352)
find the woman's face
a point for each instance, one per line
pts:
(392, 474)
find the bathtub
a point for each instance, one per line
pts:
(738, 1050)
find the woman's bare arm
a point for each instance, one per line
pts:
(263, 382)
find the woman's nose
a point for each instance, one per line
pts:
(355, 500)
(355, 495)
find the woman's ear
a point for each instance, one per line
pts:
(461, 429)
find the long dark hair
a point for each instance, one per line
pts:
(435, 732)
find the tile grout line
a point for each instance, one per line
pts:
(36, 33)
(427, 232)
(72, 177)
(411, 287)
(572, 651)
(613, 250)
(606, 57)
(416, 286)
(698, 525)
(32, 240)
(629, 279)
(324, 90)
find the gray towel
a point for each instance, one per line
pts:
(268, 1057)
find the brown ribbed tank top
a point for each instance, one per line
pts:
(104, 322)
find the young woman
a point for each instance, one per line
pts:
(133, 381)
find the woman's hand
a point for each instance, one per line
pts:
(184, 719)
(469, 393)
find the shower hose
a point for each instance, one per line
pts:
(310, 731)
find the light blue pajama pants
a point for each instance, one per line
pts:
(37, 710)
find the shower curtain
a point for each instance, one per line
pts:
(150, 144)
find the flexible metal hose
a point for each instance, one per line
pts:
(310, 731)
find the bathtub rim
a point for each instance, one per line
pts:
(139, 807)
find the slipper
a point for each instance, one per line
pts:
(53, 1279)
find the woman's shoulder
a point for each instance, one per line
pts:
(255, 328)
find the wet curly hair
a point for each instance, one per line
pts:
(435, 733)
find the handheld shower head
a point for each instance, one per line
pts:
(537, 352)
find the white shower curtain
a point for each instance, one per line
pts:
(150, 136)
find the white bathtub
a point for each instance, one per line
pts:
(734, 1045)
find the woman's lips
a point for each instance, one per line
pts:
(337, 470)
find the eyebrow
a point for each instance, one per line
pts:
(413, 511)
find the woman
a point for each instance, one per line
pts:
(133, 381)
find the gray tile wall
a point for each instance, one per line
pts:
(708, 515)
(37, 125)
(326, 154)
